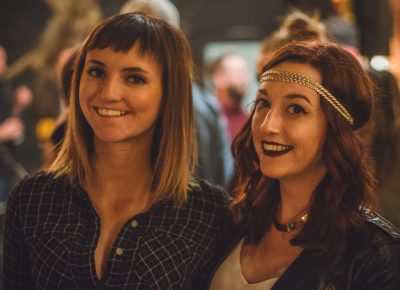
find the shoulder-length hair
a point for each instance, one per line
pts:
(173, 152)
(349, 185)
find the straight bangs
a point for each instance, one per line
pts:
(123, 34)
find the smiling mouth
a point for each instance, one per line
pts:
(274, 149)
(110, 112)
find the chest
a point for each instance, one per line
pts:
(269, 258)
(62, 251)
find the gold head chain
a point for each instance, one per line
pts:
(290, 77)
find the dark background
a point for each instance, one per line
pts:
(21, 21)
(203, 21)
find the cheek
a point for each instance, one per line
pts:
(147, 104)
(86, 92)
(317, 142)
(320, 135)
(156, 101)
(84, 89)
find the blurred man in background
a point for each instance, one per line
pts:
(231, 78)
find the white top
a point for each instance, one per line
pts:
(229, 275)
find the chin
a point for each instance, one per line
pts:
(110, 138)
(272, 173)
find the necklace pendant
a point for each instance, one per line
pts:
(290, 226)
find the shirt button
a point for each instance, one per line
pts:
(134, 224)
(119, 251)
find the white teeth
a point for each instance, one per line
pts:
(271, 147)
(110, 113)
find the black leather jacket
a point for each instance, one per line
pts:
(370, 260)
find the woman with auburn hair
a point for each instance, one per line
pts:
(305, 193)
(119, 208)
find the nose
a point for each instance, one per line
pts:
(111, 90)
(272, 122)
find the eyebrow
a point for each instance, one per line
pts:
(290, 96)
(126, 69)
(298, 96)
(262, 91)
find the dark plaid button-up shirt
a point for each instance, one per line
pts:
(52, 231)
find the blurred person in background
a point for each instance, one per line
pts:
(295, 26)
(383, 132)
(215, 162)
(12, 104)
(12, 130)
(231, 78)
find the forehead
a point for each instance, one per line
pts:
(300, 68)
(112, 57)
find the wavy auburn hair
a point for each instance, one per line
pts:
(174, 151)
(349, 185)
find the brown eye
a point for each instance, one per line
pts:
(95, 72)
(262, 103)
(136, 79)
(297, 110)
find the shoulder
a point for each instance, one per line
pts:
(374, 255)
(39, 182)
(207, 208)
(208, 194)
(376, 244)
(36, 189)
(379, 230)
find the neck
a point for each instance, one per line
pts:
(118, 167)
(292, 204)
(295, 197)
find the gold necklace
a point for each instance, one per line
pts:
(292, 225)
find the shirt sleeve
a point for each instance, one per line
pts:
(16, 258)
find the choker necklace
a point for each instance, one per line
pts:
(292, 225)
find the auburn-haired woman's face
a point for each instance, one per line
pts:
(289, 127)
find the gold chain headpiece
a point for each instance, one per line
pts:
(290, 77)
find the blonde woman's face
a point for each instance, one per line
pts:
(120, 95)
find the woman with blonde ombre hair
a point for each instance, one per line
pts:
(120, 208)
